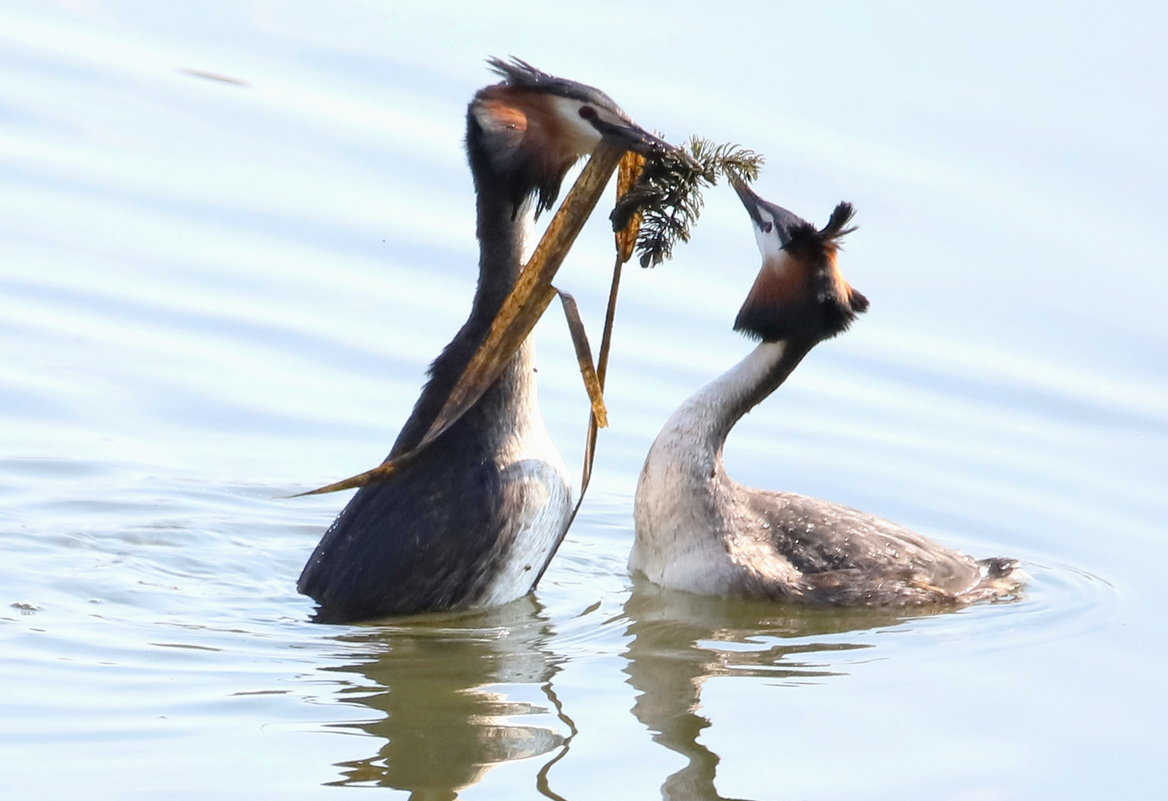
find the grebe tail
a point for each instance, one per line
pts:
(700, 531)
(475, 519)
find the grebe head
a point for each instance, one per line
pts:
(800, 291)
(525, 133)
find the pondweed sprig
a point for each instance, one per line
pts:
(668, 193)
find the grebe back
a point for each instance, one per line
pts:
(698, 530)
(473, 521)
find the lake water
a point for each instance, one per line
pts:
(233, 235)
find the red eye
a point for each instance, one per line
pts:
(587, 112)
(766, 229)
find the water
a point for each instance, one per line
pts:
(234, 235)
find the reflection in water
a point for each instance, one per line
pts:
(446, 689)
(680, 640)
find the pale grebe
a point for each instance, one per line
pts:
(475, 519)
(698, 530)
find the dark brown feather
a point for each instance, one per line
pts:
(802, 292)
(523, 142)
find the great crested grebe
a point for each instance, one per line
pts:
(700, 531)
(475, 519)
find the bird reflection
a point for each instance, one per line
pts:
(444, 690)
(679, 640)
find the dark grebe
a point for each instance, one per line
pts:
(475, 519)
(699, 531)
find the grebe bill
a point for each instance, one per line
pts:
(473, 521)
(700, 531)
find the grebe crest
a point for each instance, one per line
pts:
(700, 531)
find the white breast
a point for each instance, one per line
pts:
(536, 478)
(685, 509)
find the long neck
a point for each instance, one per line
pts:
(502, 235)
(704, 421)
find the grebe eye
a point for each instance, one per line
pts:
(587, 112)
(766, 229)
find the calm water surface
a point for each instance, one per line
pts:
(234, 234)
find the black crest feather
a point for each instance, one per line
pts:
(815, 303)
(837, 225)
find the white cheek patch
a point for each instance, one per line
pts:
(585, 137)
(767, 236)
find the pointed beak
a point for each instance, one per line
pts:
(636, 137)
(750, 200)
(766, 216)
(633, 136)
